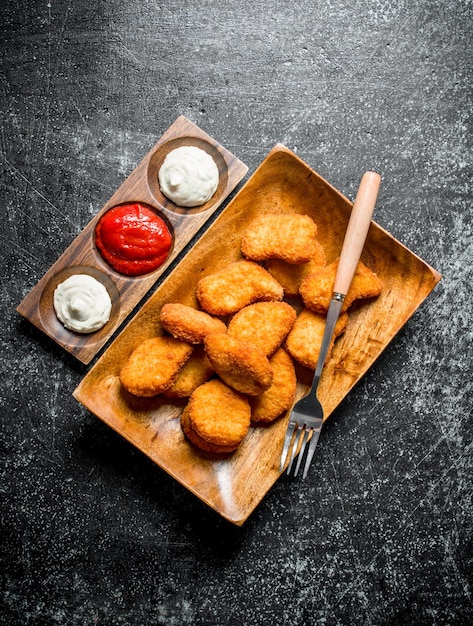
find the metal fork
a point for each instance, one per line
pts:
(307, 415)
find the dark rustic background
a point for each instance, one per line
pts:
(381, 531)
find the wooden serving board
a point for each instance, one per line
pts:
(82, 255)
(234, 486)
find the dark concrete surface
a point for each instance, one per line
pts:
(381, 531)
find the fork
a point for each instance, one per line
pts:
(307, 415)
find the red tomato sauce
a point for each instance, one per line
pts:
(132, 239)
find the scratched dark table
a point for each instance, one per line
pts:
(92, 532)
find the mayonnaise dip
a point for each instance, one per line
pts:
(188, 176)
(82, 303)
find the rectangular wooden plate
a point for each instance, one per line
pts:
(283, 183)
(82, 255)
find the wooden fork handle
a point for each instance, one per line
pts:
(357, 231)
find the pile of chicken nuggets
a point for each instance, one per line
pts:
(234, 359)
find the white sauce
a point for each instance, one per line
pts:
(188, 176)
(82, 303)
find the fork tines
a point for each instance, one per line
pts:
(300, 442)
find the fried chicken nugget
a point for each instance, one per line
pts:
(316, 289)
(188, 324)
(154, 365)
(289, 237)
(279, 397)
(290, 276)
(240, 365)
(263, 324)
(197, 441)
(216, 418)
(235, 286)
(196, 371)
(305, 339)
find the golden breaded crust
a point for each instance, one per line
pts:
(188, 324)
(316, 289)
(279, 397)
(305, 339)
(240, 365)
(154, 365)
(365, 284)
(199, 442)
(289, 237)
(195, 372)
(235, 286)
(263, 324)
(219, 415)
(290, 276)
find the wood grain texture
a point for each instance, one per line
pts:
(283, 183)
(357, 230)
(82, 255)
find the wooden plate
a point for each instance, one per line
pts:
(82, 255)
(234, 486)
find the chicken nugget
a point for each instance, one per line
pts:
(240, 365)
(279, 397)
(235, 286)
(305, 339)
(188, 324)
(290, 276)
(219, 416)
(194, 373)
(263, 324)
(199, 442)
(154, 365)
(316, 289)
(289, 237)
